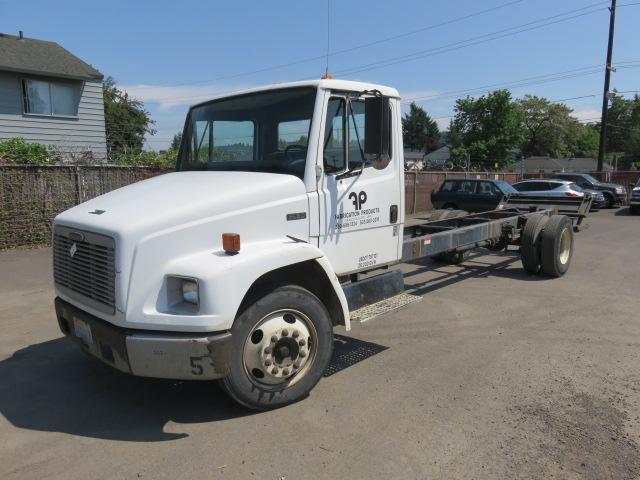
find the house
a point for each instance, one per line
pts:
(50, 96)
(439, 157)
(555, 165)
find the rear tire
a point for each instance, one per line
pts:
(608, 201)
(557, 245)
(285, 330)
(530, 252)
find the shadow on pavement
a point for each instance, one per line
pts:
(54, 386)
(473, 267)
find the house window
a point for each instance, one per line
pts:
(50, 98)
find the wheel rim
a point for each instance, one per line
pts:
(280, 348)
(565, 246)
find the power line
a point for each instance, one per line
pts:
(350, 49)
(507, 32)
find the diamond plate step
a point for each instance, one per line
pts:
(374, 310)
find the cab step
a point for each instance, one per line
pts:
(369, 312)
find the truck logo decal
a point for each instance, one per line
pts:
(73, 250)
(358, 199)
(296, 216)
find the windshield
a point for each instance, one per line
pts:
(590, 179)
(505, 187)
(259, 132)
(575, 187)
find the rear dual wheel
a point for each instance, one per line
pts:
(547, 244)
(281, 346)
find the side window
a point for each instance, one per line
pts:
(447, 186)
(334, 139)
(523, 187)
(356, 134)
(486, 188)
(294, 132)
(467, 187)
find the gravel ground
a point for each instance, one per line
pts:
(494, 374)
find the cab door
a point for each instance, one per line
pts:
(360, 205)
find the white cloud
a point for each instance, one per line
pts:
(167, 97)
(592, 115)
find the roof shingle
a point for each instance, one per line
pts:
(40, 57)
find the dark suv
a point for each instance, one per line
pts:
(613, 194)
(471, 195)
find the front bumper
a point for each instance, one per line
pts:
(171, 355)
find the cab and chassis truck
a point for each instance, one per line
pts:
(239, 265)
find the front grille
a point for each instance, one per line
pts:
(85, 271)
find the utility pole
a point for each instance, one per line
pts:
(607, 79)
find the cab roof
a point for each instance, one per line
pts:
(325, 84)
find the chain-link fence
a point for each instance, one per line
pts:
(31, 196)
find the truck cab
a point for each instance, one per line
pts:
(230, 267)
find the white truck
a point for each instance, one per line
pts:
(238, 265)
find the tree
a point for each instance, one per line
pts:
(176, 141)
(486, 129)
(550, 130)
(126, 120)
(419, 131)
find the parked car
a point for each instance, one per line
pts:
(553, 188)
(634, 201)
(470, 194)
(613, 193)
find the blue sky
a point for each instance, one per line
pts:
(171, 54)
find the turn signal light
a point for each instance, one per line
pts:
(231, 243)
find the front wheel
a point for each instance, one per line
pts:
(281, 346)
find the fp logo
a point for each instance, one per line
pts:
(73, 250)
(358, 199)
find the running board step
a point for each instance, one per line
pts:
(374, 310)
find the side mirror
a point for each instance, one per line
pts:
(377, 131)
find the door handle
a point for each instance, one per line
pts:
(393, 214)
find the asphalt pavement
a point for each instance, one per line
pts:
(494, 374)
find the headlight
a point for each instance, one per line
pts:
(190, 291)
(182, 292)
(619, 189)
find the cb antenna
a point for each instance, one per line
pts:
(326, 69)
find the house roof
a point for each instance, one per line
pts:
(40, 57)
(440, 155)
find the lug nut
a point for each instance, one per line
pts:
(301, 343)
(295, 334)
(302, 354)
(296, 365)
(274, 370)
(267, 351)
(285, 332)
(267, 363)
(274, 339)
(285, 371)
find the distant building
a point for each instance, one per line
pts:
(439, 157)
(555, 165)
(50, 96)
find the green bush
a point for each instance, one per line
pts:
(147, 159)
(17, 150)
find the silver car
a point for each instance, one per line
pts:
(553, 188)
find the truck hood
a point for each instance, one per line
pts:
(607, 186)
(179, 198)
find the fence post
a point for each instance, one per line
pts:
(77, 177)
(415, 192)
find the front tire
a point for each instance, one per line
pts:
(281, 345)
